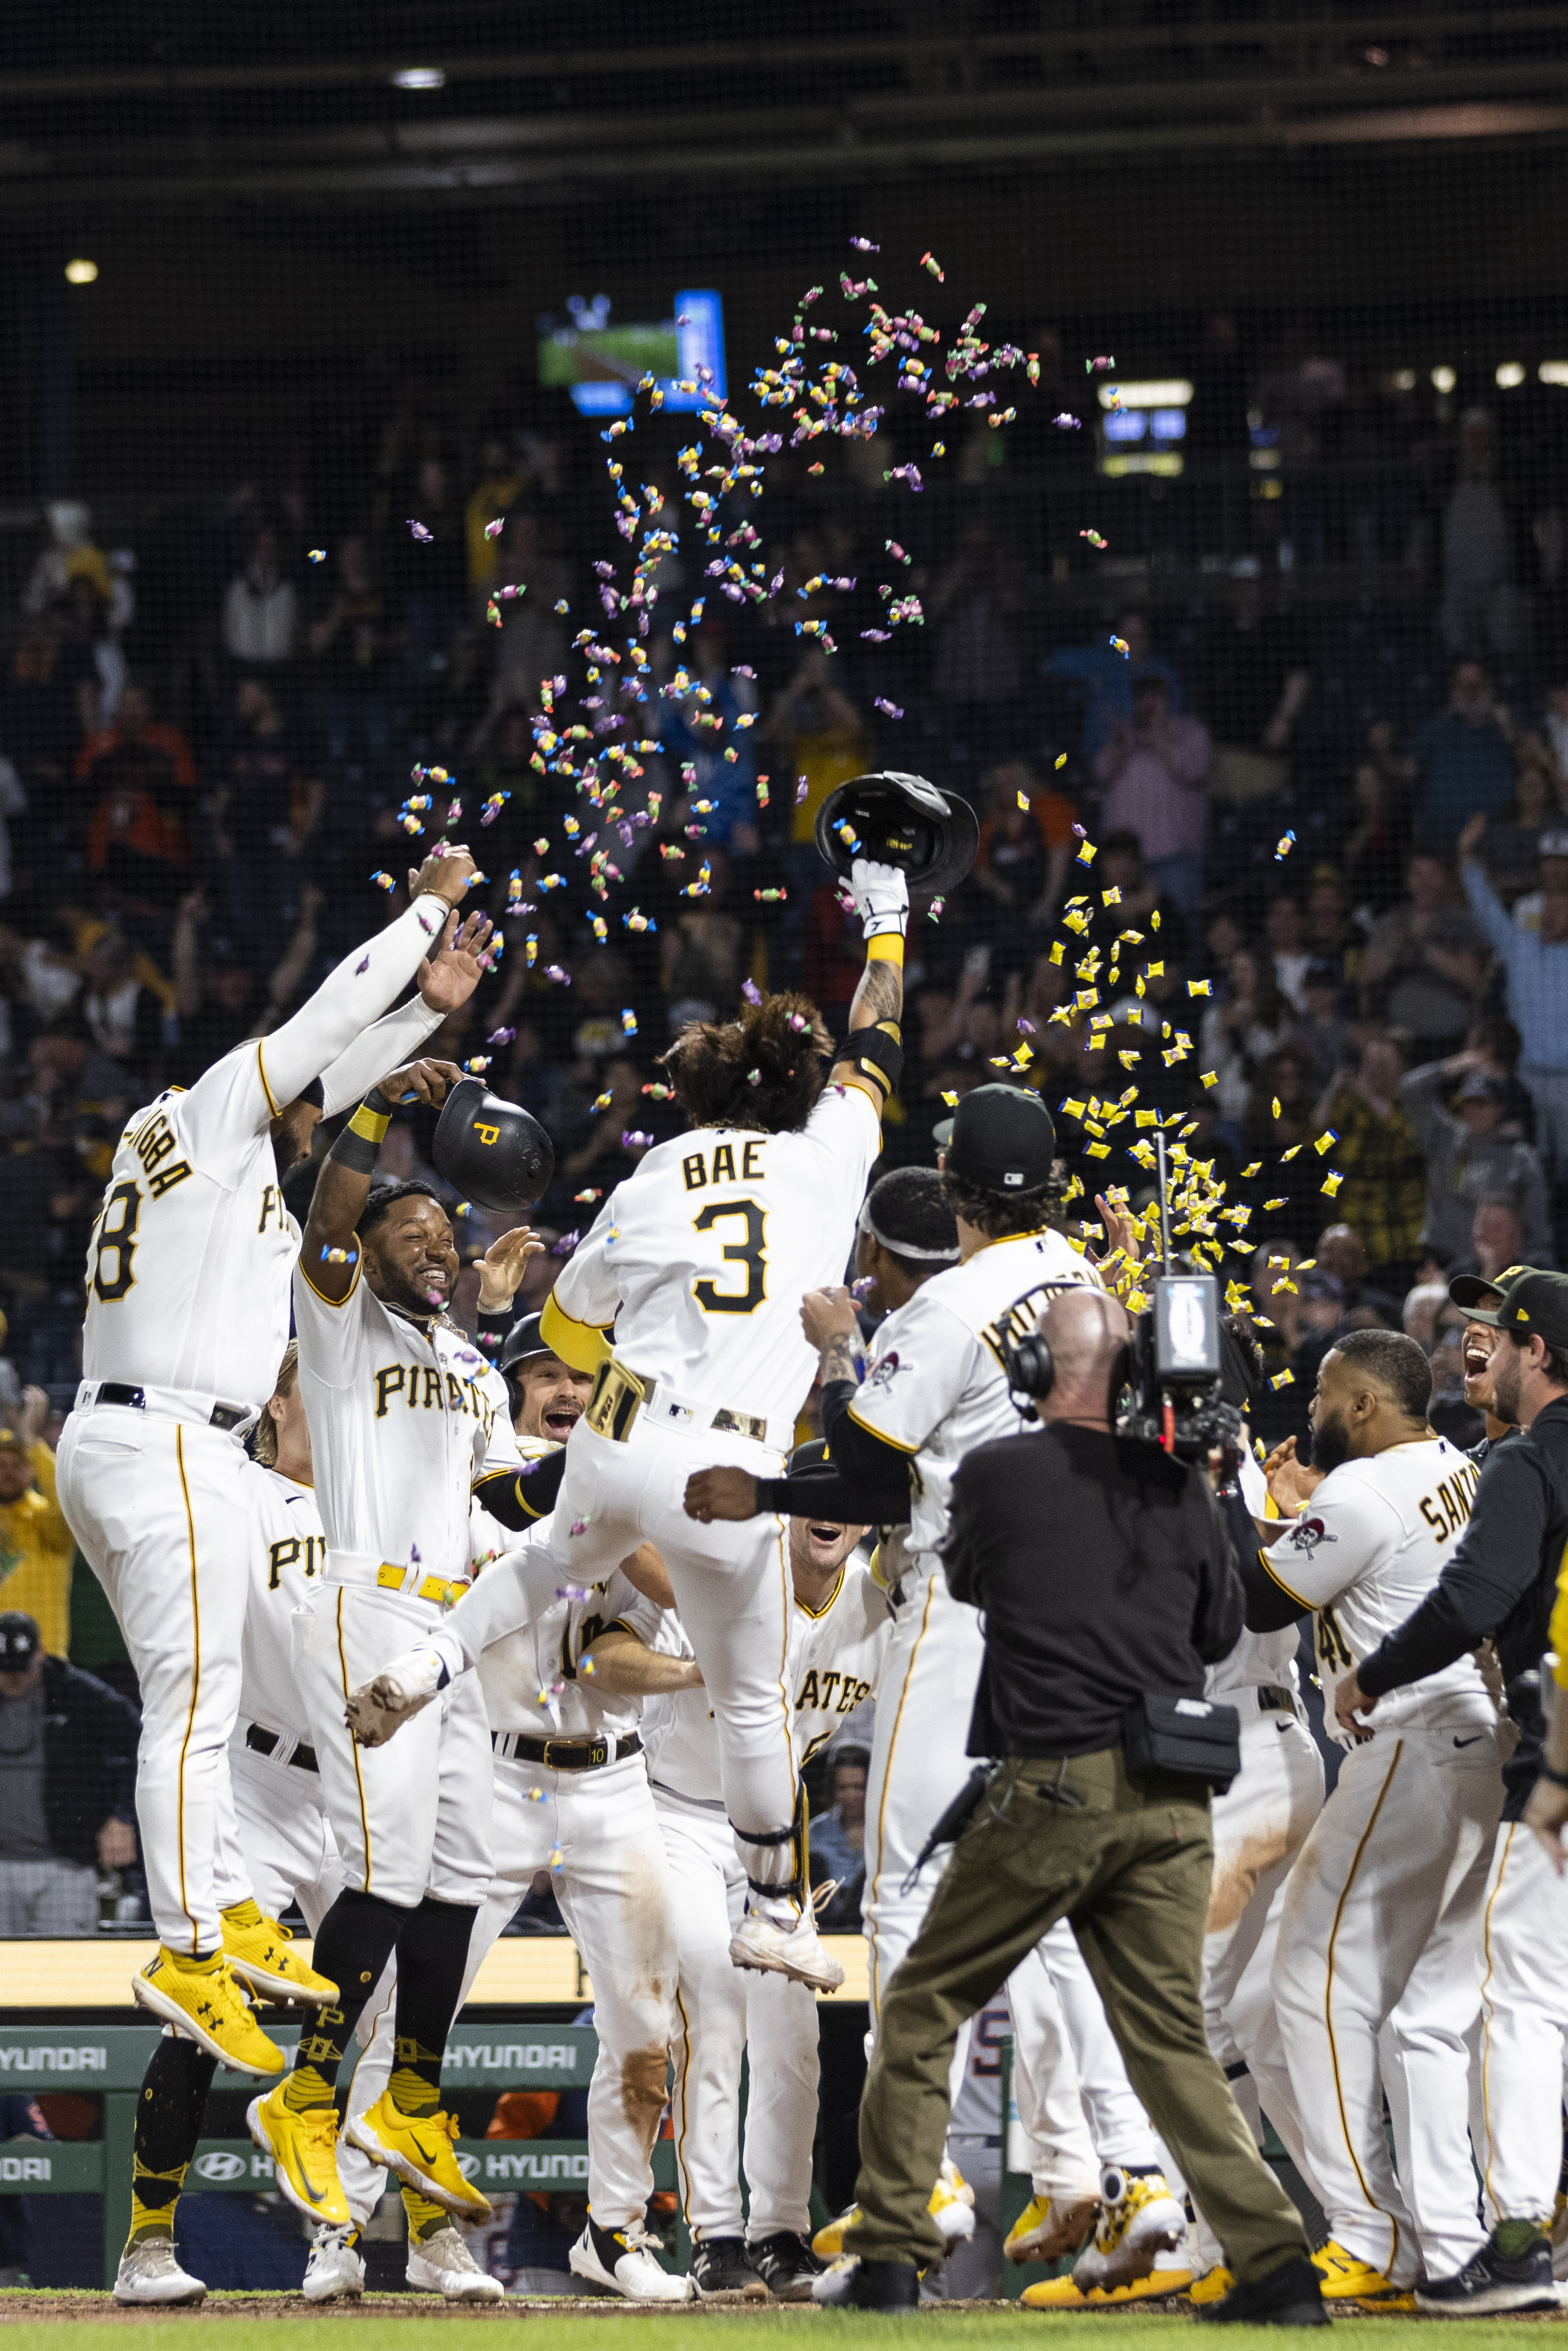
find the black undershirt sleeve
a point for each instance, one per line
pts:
(519, 1498)
(837, 1500)
(1270, 1607)
(863, 1459)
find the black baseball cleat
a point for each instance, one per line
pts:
(1493, 2281)
(854, 2285)
(722, 2271)
(786, 2264)
(1289, 2296)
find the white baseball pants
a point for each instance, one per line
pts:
(918, 1762)
(723, 2011)
(732, 1588)
(1523, 2030)
(1059, 2020)
(291, 1854)
(159, 1508)
(1259, 1824)
(598, 1833)
(412, 1817)
(1402, 1845)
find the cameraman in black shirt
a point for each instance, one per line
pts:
(1107, 1581)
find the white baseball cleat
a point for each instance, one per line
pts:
(334, 2272)
(620, 2261)
(379, 1707)
(442, 2265)
(795, 1951)
(150, 2271)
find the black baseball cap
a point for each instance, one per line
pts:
(809, 1459)
(1472, 1290)
(20, 1641)
(1002, 1138)
(1530, 1303)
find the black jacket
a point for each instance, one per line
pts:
(1499, 1578)
(1104, 1572)
(89, 1758)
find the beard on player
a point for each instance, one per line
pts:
(411, 1259)
(292, 1132)
(1331, 1441)
(764, 1071)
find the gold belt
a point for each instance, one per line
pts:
(434, 1587)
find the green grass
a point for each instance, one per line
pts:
(678, 2331)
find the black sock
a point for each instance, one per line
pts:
(357, 1937)
(431, 1953)
(168, 2124)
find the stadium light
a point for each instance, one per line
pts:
(1444, 379)
(1553, 371)
(81, 273)
(419, 77)
(1509, 376)
(1174, 393)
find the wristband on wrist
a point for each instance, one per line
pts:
(372, 1118)
(358, 1146)
(885, 946)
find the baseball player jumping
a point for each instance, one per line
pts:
(698, 1260)
(187, 1318)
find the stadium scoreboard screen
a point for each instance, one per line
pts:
(600, 361)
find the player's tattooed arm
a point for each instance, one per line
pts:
(840, 1359)
(330, 1251)
(878, 997)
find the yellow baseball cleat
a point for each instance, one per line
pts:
(1050, 2226)
(201, 1999)
(951, 2205)
(418, 2147)
(1213, 2285)
(1061, 2293)
(257, 1950)
(1347, 2278)
(303, 2145)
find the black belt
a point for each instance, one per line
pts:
(564, 1754)
(222, 1415)
(266, 1742)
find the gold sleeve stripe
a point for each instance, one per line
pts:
(1274, 1576)
(310, 1286)
(582, 1345)
(881, 1436)
(266, 1090)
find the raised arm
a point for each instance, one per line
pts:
(329, 1255)
(873, 1058)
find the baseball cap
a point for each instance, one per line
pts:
(1002, 1138)
(1478, 1087)
(810, 1459)
(20, 1641)
(1530, 1303)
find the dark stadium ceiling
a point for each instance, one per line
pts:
(159, 103)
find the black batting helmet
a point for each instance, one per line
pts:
(899, 820)
(496, 1153)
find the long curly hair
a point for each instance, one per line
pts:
(764, 1070)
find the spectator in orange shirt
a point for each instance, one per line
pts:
(134, 723)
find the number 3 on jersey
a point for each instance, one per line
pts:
(115, 1243)
(749, 1252)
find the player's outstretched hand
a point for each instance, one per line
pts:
(502, 1265)
(444, 876)
(1546, 1814)
(379, 1709)
(721, 1494)
(449, 976)
(1123, 1231)
(425, 1082)
(828, 1314)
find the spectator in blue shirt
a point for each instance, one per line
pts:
(1536, 963)
(1465, 756)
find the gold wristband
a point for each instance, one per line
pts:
(369, 1124)
(887, 946)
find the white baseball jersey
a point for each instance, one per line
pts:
(936, 1387)
(287, 1555)
(188, 1266)
(1259, 1660)
(403, 1420)
(701, 1259)
(835, 1655)
(1367, 1549)
(531, 1677)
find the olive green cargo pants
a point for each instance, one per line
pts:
(1129, 1864)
